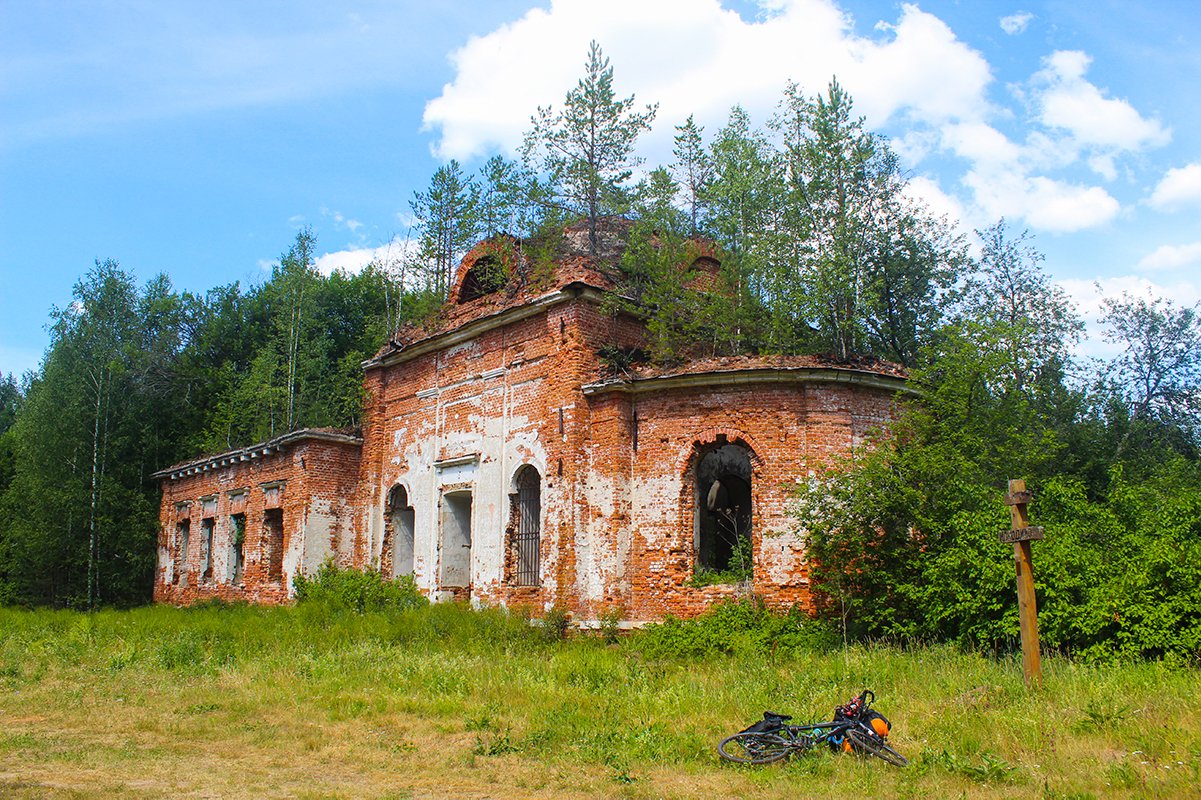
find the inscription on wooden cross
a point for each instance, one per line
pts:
(1021, 535)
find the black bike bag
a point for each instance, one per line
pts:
(770, 723)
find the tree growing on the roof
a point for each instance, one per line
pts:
(587, 148)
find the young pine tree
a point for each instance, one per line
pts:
(587, 149)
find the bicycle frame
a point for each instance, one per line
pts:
(850, 733)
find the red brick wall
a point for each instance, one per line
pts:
(788, 428)
(617, 522)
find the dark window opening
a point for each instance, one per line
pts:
(182, 533)
(525, 529)
(273, 544)
(207, 526)
(487, 275)
(237, 524)
(723, 514)
(398, 534)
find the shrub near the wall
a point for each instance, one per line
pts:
(355, 590)
(736, 627)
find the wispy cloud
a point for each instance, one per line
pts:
(1016, 23)
(1168, 257)
(104, 65)
(341, 222)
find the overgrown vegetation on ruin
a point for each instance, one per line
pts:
(820, 252)
(315, 700)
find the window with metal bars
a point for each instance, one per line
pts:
(525, 528)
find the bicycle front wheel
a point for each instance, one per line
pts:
(868, 744)
(753, 748)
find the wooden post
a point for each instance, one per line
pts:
(1021, 536)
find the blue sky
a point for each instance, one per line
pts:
(194, 139)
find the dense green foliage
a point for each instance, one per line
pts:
(744, 628)
(139, 378)
(905, 534)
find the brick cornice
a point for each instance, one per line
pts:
(253, 452)
(477, 327)
(748, 377)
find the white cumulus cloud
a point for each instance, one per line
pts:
(912, 76)
(695, 57)
(1180, 187)
(1068, 101)
(1051, 205)
(353, 260)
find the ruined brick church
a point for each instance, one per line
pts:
(502, 460)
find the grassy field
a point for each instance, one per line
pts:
(444, 702)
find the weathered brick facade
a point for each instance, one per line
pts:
(499, 461)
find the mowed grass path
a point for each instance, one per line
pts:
(445, 702)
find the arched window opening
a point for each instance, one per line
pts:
(398, 537)
(486, 275)
(723, 514)
(704, 275)
(525, 529)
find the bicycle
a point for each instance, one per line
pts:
(856, 728)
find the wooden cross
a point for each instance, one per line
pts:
(1021, 535)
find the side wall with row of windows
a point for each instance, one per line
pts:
(241, 526)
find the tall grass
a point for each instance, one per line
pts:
(487, 685)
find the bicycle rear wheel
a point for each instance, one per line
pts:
(870, 744)
(754, 748)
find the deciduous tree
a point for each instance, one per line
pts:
(1158, 373)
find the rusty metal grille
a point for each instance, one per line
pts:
(527, 539)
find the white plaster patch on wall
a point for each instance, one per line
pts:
(608, 554)
(602, 492)
(398, 436)
(656, 503)
(781, 557)
(167, 564)
(319, 530)
(419, 458)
